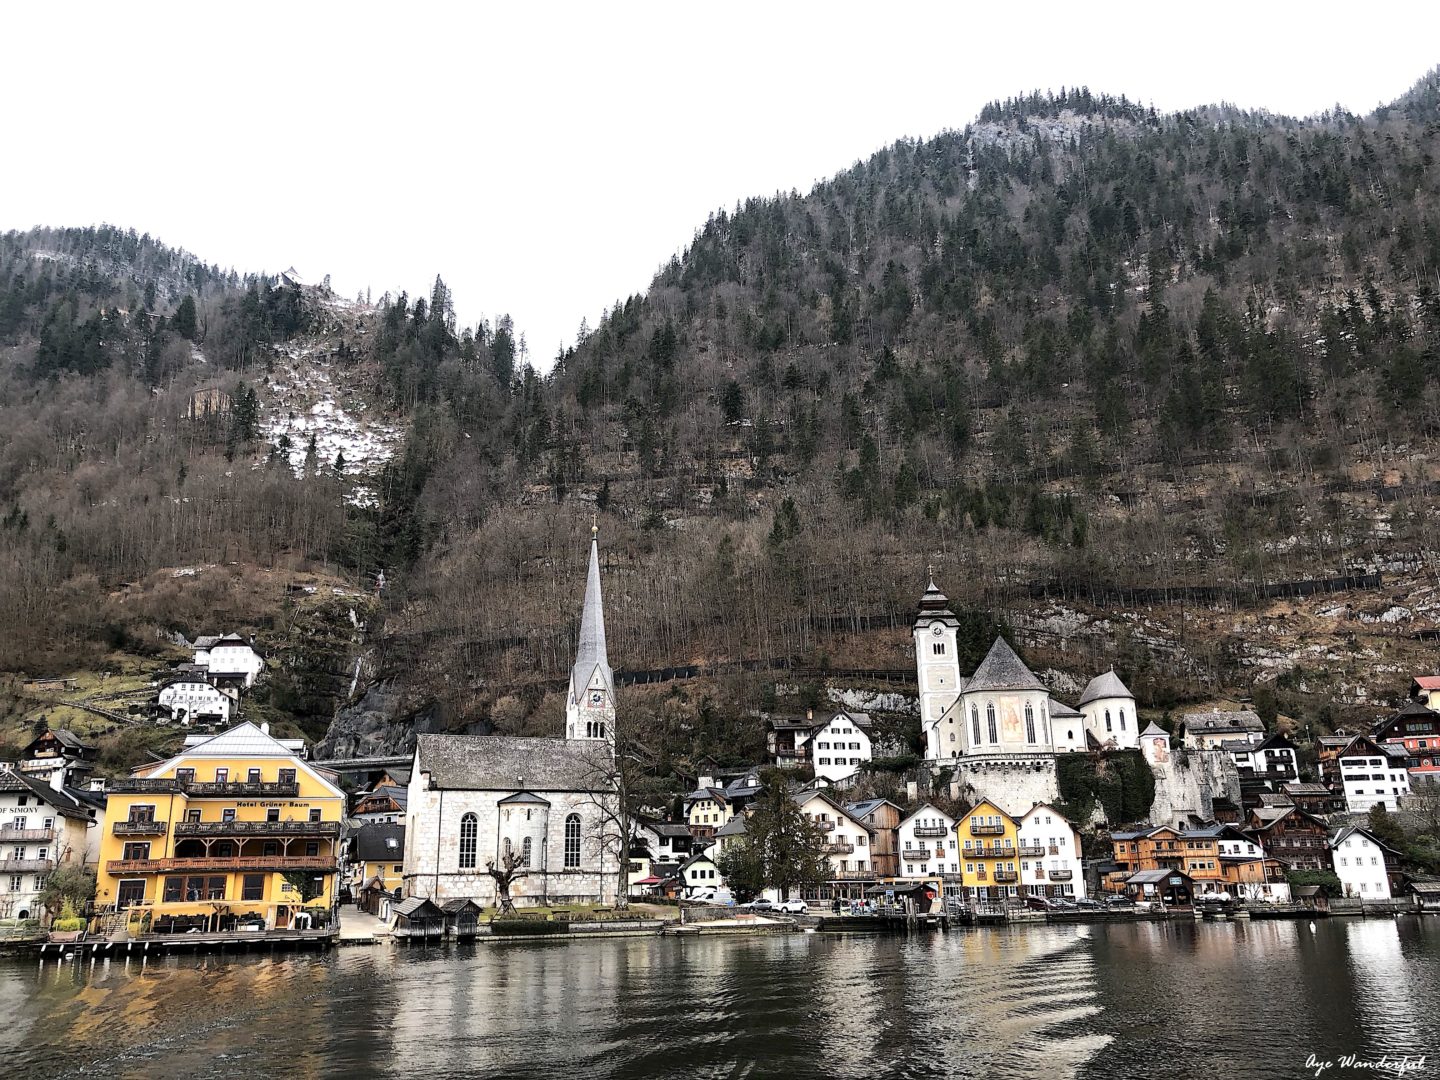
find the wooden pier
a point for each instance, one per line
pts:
(163, 944)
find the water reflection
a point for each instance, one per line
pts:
(1238, 1000)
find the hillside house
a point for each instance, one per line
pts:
(231, 661)
(1364, 865)
(835, 746)
(1367, 773)
(1051, 859)
(193, 699)
(59, 750)
(1415, 729)
(1212, 730)
(1298, 839)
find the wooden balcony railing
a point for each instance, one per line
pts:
(286, 789)
(1006, 875)
(930, 830)
(26, 866)
(257, 828)
(916, 854)
(839, 847)
(1061, 875)
(853, 875)
(825, 826)
(139, 828)
(983, 852)
(1032, 849)
(977, 829)
(248, 862)
(26, 836)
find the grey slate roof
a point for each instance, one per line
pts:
(1105, 685)
(591, 651)
(1154, 729)
(523, 797)
(1220, 723)
(1003, 670)
(66, 801)
(417, 907)
(509, 763)
(1152, 877)
(860, 809)
(372, 843)
(734, 827)
(1059, 710)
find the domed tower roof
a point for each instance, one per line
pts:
(935, 606)
(1105, 685)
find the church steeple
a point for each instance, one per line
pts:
(590, 704)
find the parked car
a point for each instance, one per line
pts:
(1119, 900)
(793, 907)
(1039, 903)
(759, 904)
(1088, 904)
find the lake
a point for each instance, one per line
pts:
(1154, 999)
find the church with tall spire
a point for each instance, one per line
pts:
(590, 697)
(549, 804)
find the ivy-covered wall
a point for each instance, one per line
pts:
(1120, 781)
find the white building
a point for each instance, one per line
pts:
(1211, 730)
(926, 844)
(230, 659)
(847, 839)
(702, 877)
(1360, 863)
(191, 699)
(551, 802)
(1109, 710)
(937, 662)
(1271, 761)
(1050, 854)
(1067, 728)
(840, 747)
(1371, 774)
(43, 826)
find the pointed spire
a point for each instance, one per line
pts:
(591, 651)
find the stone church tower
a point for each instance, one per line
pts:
(937, 663)
(590, 700)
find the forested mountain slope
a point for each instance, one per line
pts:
(1122, 378)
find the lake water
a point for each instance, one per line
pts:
(1142, 1000)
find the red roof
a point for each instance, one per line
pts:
(1428, 682)
(651, 880)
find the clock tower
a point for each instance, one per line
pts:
(937, 666)
(590, 699)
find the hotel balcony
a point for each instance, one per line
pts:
(1006, 876)
(26, 866)
(139, 828)
(26, 836)
(278, 863)
(986, 830)
(853, 875)
(920, 855)
(930, 830)
(1061, 875)
(257, 828)
(825, 826)
(286, 789)
(1032, 849)
(990, 852)
(838, 847)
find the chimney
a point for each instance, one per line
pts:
(57, 778)
(809, 714)
(264, 727)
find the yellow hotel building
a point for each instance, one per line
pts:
(235, 832)
(989, 856)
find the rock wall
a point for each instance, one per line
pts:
(382, 723)
(1188, 781)
(1013, 784)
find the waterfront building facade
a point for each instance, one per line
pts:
(235, 831)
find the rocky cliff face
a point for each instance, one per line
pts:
(1188, 782)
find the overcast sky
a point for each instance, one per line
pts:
(546, 160)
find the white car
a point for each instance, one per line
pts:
(792, 907)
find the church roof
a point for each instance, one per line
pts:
(1003, 670)
(524, 797)
(1105, 685)
(591, 651)
(512, 764)
(1060, 709)
(1154, 729)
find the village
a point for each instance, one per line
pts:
(241, 839)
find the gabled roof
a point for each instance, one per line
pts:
(1426, 682)
(510, 763)
(1060, 711)
(1002, 669)
(802, 797)
(242, 740)
(1152, 877)
(413, 906)
(734, 827)
(1220, 723)
(1104, 685)
(930, 810)
(458, 904)
(67, 803)
(1043, 806)
(1355, 830)
(590, 654)
(868, 806)
(693, 859)
(379, 843)
(399, 795)
(523, 797)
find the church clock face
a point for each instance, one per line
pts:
(937, 630)
(597, 698)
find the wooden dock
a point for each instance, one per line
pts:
(162, 944)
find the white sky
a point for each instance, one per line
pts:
(547, 159)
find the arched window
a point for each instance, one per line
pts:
(469, 830)
(1122, 719)
(572, 842)
(525, 851)
(1108, 725)
(1029, 723)
(990, 720)
(952, 736)
(601, 725)
(975, 723)
(508, 848)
